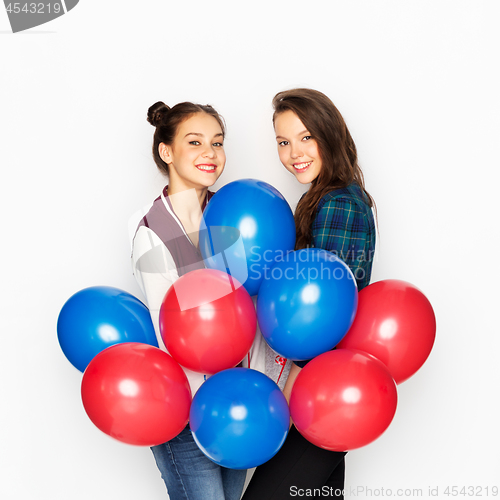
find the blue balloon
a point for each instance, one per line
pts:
(306, 303)
(98, 317)
(248, 223)
(239, 418)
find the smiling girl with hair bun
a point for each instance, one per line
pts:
(188, 147)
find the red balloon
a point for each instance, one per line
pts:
(137, 394)
(343, 399)
(207, 321)
(395, 323)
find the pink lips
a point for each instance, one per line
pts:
(210, 170)
(303, 169)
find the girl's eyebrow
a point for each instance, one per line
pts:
(300, 133)
(201, 135)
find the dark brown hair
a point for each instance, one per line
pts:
(336, 149)
(167, 121)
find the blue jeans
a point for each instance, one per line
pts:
(190, 475)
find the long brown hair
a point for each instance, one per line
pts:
(336, 148)
(167, 121)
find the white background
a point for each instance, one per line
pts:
(417, 82)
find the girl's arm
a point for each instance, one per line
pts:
(155, 271)
(343, 228)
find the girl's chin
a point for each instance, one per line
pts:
(206, 180)
(302, 180)
(303, 177)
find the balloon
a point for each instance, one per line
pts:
(343, 400)
(395, 323)
(248, 223)
(137, 394)
(207, 321)
(98, 317)
(306, 303)
(239, 418)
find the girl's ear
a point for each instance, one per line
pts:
(165, 152)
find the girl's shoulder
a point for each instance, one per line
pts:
(161, 217)
(350, 194)
(158, 215)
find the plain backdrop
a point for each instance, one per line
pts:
(417, 82)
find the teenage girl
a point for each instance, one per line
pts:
(188, 148)
(335, 214)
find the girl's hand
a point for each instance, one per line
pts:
(287, 390)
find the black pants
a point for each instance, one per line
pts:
(299, 465)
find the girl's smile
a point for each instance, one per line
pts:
(207, 167)
(301, 167)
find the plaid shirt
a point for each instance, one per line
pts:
(344, 225)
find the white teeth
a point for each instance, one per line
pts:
(301, 166)
(206, 167)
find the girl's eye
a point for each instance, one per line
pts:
(218, 144)
(283, 143)
(306, 138)
(194, 143)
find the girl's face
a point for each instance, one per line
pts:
(196, 158)
(297, 150)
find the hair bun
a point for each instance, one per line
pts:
(157, 112)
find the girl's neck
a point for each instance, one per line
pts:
(186, 200)
(187, 204)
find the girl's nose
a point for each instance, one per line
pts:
(209, 152)
(296, 151)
